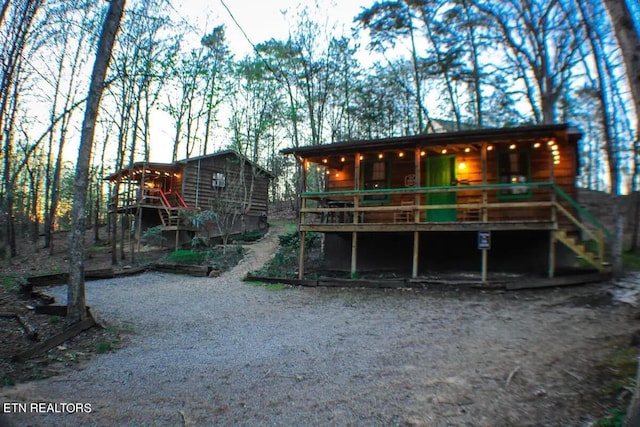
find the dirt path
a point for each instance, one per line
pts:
(204, 352)
(257, 254)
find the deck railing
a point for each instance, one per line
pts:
(541, 201)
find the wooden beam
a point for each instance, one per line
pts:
(301, 259)
(485, 265)
(71, 332)
(579, 279)
(552, 254)
(425, 227)
(416, 243)
(354, 254)
(418, 173)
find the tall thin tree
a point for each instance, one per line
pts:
(76, 296)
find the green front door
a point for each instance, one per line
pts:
(440, 172)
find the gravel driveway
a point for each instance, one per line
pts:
(216, 351)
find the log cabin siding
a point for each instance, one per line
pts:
(541, 169)
(198, 190)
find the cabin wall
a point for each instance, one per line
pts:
(340, 177)
(198, 190)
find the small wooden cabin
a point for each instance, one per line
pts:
(158, 194)
(488, 199)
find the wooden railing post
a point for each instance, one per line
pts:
(554, 211)
(601, 244)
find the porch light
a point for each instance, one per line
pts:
(444, 151)
(556, 162)
(554, 148)
(536, 145)
(380, 155)
(401, 154)
(337, 175)
(551, 142)
(342, 159)
(512, 147)
(423, 153)
(318, 169)
(325, 161)
(467, 150)
(361, 157)
(328, 173)
(490, 147)
(462, 166)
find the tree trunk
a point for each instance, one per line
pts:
(629, 42)
(76, 310)
(618, 238)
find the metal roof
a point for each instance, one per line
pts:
(488, 135)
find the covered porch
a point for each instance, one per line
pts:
(498, 180)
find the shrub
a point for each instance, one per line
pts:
(199, 243)
(189, 256)
(153, 236)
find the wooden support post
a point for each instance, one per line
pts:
(417, 171)
(552, 254)
(354, 254)
(177, 238)
(601, 245)
(483, 165)
(356, 186)
(302, 254)
(485, 265)
(416, 244)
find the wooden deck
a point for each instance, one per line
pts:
(477, 208)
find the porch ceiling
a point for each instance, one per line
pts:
(150, 169)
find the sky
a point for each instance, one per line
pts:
(262, 20)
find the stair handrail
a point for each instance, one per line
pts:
(585, 213)
(180, 199)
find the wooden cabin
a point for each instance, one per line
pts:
(483, 200)
(161, 194)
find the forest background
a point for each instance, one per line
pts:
(401, 68)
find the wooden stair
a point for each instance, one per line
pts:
(580, 249)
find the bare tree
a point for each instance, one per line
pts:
(76, 310)
(16, 31)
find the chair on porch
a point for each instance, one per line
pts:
(472, 213)
(405, 212)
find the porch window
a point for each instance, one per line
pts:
(514, 167)
(219, 180)
(375, 176)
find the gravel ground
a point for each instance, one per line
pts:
(215, 351)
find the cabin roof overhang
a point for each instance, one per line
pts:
(445, 139)
(229, 153)
(167, 169)
(152, 170)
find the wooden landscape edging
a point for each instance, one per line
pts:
(526, 283)
(284, 281)
(190, 269)
(55, 310)
(31, 332)
(56, 340)
(63, 278)
(569, 280)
